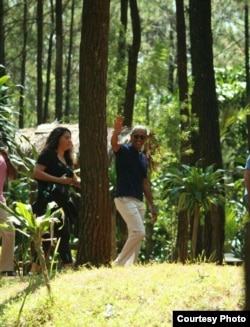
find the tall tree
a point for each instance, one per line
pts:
(121, 68)
(204, 105)
(171, 60)
(2, 38)
(120, 64)
(68, 73)
(39, 61)
(95, 235)
(133, 52)
(182, 75)
(23, 67)
(247, 43)
(59, 60)
(49, 64)
(182, 235)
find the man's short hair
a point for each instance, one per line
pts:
(139, 128)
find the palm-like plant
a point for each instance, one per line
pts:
(33, 227)
(193, 188)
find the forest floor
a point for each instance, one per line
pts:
(139, 296)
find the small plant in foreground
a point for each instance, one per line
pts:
(33, 227)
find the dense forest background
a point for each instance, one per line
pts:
(162, 65)
(41, 45)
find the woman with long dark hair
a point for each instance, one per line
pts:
(54, 174)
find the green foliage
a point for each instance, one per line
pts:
(164, 236)
(33, 227)
(154, 106)
(7, 114)
(236, 216)
(157, 52)
(234, 231)
(22, 188)
(230, 86)
(186, 186)
(192, 189)
(231, 93)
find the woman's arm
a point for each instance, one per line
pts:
(40, 174)
(76, 181)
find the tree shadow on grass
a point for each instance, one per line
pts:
(33, 283)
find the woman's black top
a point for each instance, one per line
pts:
(54, 166)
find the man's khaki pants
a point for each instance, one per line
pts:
(132, 211)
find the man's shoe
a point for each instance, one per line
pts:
(8, 273)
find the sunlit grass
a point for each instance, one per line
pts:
(135, 296)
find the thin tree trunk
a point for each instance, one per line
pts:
(183, 226)
(121, 68)
(182, 79)
(132, 64)
(217, 234)
(59, 61)
(195, 229)
(49, 59)
(171, 61)
(2, 40)
(121, 63)
(23, 65)
(39, 61)
(247, 55)
(182, 237)
(68, 73)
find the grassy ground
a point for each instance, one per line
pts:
(140, 296)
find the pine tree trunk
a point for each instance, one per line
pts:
(195, 229)
(132, 64)
(23, 65)
(39, 62)
(2, 39)
(59, 61)
(95, 235)
(182, 237)
(49, 61)
(207, 143)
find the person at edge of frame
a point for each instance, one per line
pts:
(7, 170)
